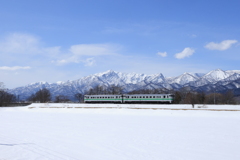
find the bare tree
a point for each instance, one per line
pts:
(201, 97)
(79, 97)
(114, 89)
(5, 97)
(96, 90)
(228, 98)
(61, 99)
(213, 98)
(190, 98)
(177, 97)
(43, 96)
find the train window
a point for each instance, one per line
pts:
(143, 96)
(153, 96)
(150, 97)
(146, 96)
(163, 96)
(140, 97)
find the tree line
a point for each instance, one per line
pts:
(5, 97)
(44, 95)
(185, 96)
(182, 96)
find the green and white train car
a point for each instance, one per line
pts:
(129, 98)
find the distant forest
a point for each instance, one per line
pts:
(182, 96)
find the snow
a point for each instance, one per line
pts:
(184, 79)
(216, 75)
(130, 82)
(233, 71)
(63, 131)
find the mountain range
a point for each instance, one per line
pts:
(216, 80)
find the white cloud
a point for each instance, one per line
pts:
(90, 62)
(185, 53)
(18, 47)
(193, 35)
(14, 68)
(19, 43)
(78, 53)
(163, 54)
(92, 49)
(220, 46)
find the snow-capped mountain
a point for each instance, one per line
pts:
(134, 81)
(184, 79)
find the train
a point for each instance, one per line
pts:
(130, 98)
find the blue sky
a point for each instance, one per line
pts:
(52, 41)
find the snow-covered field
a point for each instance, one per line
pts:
(69, 131)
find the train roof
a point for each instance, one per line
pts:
(127, 94)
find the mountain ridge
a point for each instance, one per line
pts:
(135, 81)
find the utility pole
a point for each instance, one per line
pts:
(214, 95)
(123, 98)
